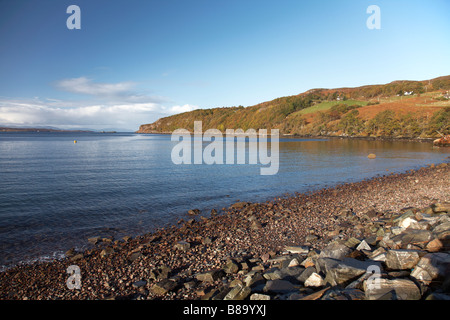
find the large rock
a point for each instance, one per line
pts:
(397, 289)
(335, 250)
(432, 266)
(160, 273)
(239, 292)
(210, 276)
(347, 270)
(273, 274)
(231, 267)
(279, 286)
(254, 280)
(306, 274)
(323, 265)
(402, 259)
(408, 214)
(163, 287)
(412, 236)
(442, 231)
(441, 207)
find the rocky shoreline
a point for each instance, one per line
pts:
(383, 238)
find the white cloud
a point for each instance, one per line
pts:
(114, 105)
(181, 109)
(38, 113)
(84, 85)
(65, 114)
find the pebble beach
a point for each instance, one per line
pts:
(257, 251)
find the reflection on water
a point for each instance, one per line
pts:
(55, 194)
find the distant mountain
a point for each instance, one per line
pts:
(38, 129)
(397, 109)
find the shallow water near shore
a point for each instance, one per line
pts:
(55, 193)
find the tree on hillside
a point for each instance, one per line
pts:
(350, 123)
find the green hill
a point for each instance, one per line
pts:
(414, 109)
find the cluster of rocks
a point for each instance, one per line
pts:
(403, 256)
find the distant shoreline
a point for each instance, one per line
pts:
(6, 129)
(381, 138)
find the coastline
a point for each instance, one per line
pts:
(253, 233)
(366, 138)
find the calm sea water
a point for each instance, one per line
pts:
(54, 194)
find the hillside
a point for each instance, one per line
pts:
(413, 109)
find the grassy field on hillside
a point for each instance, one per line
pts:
(326, 105)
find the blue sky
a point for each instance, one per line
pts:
(135, 61)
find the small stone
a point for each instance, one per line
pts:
(363, 246)
(126, 238)
(134, 256)
(265, 257)
(160, 273)
(77, 257)
(316, 295)
(378, 255)
(259, 296)
(441, 207)
(94, 240)
(256, 225)
(163, 287)
(182, 245)
(194, 212)
(308, 262)
(397, 230)
(311, 238)
(231, 267)
(239, 205)
(434, 245)
(106, 252)
(294, 263)
(352, 242)
(206, 240)
(297, 249)
(190, 284)
(69, 253)
(314, 280)
(139, 283)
